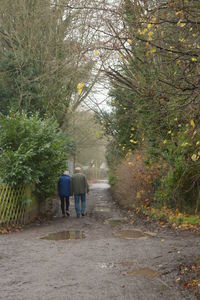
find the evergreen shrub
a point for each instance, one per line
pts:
(32, 151)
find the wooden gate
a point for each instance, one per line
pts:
(12, 208)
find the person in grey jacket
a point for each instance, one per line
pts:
(79, 188)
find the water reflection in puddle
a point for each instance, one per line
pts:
(106, 265)
(102, 209)
(144, 272)
(103, 203)
(126, 264)
(65, 235)
(115, 222)
(130, 234)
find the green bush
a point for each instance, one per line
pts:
(180, 188)
(32, 151)
(112, 179)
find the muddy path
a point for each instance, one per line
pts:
(102, 257)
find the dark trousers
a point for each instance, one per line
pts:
(64, 199)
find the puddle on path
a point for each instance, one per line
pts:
(103, 204)
(144, 272)
(129, 234)
(106, 265)
(65, 235)
(126, 264)
(115, 222)
(102, 209)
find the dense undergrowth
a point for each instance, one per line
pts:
(136, 186)
(154, 125)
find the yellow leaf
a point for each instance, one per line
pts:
(149, 26)
(96, 53)
(165, 142)
(192, 123)
(133, 142)
(194, 157)
(142, 31)
(181, 23)
(130, 41)
(194, 59)
(138, 195)
(195, 132)
(150, 34)
(182, 40)
(153, 50)
(197, 143)
(184, 144)
(80, 87)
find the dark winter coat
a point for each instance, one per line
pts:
(79, 184)
(64, 186)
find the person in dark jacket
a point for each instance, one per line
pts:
(64, 191)
(80, 188)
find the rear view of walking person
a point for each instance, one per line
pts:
(64, 191)
(80, 188)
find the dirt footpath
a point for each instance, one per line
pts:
(103, 257)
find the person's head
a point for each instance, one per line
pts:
(66, 172)
(77, 170)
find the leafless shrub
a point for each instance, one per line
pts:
(135, 182)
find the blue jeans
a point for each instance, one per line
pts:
(77, 199)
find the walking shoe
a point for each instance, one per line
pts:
(83, 215)
(67, 213)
